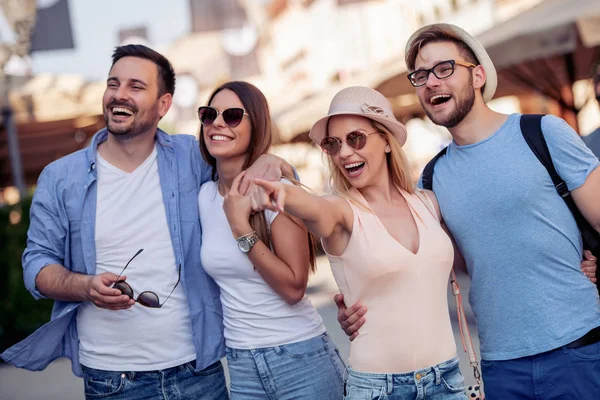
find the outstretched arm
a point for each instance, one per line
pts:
(323, 216)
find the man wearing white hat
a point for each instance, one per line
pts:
(538, 315)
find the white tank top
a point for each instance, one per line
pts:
(254, 315)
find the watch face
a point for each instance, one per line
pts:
(244, 245)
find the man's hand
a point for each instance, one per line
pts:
(588, 265)
(100, 292)
(269, 168)
(350, 319)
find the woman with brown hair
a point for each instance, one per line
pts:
(277, 345)
(386, 248)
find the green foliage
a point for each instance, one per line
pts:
(20, 314)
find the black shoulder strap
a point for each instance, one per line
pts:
(531, 128)
(427, 177)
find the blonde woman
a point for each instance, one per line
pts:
(386, 248)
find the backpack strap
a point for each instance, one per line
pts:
(531, 128)
(427, 177)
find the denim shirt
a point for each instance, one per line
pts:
(62, 231)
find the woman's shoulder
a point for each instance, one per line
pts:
(208, 190)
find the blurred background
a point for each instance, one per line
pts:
(55, 56)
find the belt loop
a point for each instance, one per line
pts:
(131, 375)
(390, 383)
(438, 374)
(232, 353)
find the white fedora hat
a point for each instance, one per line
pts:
(362, 101)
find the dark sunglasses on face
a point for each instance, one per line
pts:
(231, 116)
(441, 70)
(355, 139)
(146, 298)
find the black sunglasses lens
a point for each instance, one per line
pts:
(124, 288)
(207, 115)
(233, 116)
(148, 299)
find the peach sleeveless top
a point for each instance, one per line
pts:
(408, 323)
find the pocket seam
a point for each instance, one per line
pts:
(102, 395)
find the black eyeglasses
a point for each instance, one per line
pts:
(441, 70)
(355, 139)
(146, 298)
(231, 116)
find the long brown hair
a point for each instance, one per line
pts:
(257, 107)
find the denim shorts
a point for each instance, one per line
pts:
(307, 370)
(443, 381)
(181, 383)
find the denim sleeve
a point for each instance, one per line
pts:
(46, 234)
(573, 160)
(203, 169)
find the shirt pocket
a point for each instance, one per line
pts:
(188, 198)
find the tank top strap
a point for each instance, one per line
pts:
(426, 200)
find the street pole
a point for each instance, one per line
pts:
(14, 152)
(20, 14)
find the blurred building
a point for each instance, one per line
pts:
(301, 52)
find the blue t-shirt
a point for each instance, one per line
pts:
(520, 241)
(593, 142)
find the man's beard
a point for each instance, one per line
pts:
(464, 104)
(138, 127)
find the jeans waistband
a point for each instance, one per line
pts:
(591, 337)
(132, 374)
(430, 373)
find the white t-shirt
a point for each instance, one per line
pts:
(130, 215)
(254, 315)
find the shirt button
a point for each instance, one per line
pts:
(418, 376)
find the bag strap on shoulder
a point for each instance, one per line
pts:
(427, 177)
(531, 128)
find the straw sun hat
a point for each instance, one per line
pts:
(364, 102)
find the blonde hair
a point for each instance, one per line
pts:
(396, 161)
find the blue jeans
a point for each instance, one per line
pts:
(443, 381)
(558, 374)
(177, 383)
(307, 370)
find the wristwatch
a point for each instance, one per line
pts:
(247, 241)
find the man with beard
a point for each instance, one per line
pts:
(537, 314)
(117, 224)
(593, 139)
